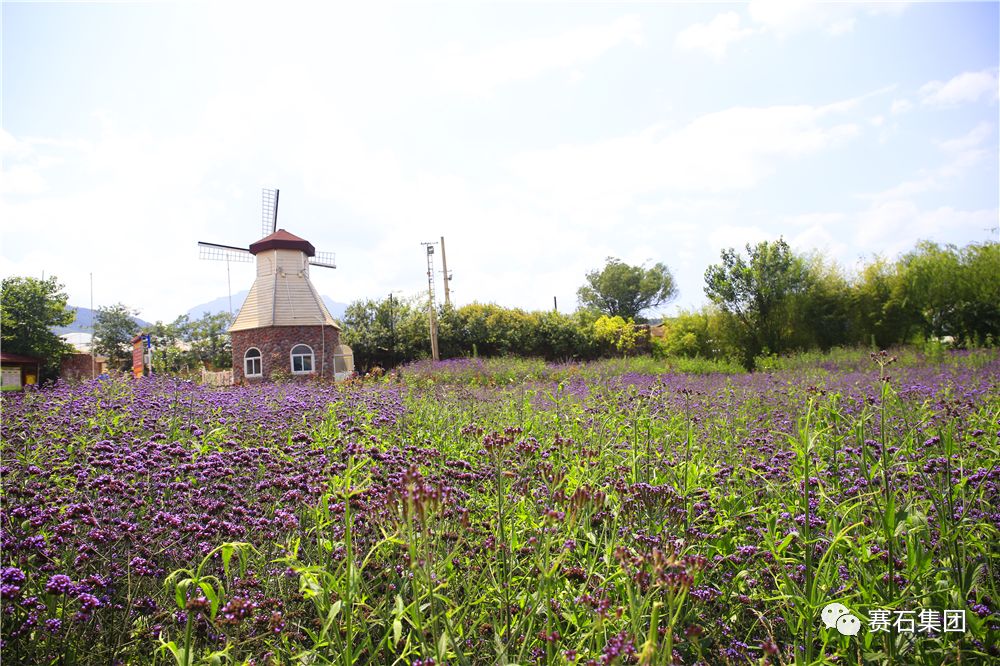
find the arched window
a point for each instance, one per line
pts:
(302, 359)
(251, 362)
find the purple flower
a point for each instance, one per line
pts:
(9, 591)
(88, 602)
(11, 575)
(59, 584)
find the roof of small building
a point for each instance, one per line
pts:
(81, 340)
(282, 240)
(7, 357)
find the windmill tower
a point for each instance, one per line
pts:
(283, 328)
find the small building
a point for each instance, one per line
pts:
(82, 364)
(79, 367)
(19, 371)
(343, 362)
(284, 328)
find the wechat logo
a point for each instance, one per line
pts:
(836, 616)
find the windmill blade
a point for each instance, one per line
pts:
(324, 259)
(269, 213)
(216, 252)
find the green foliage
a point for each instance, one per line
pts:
(186, 346)
(956, 292)
(386, 332)
(756, 293)
(693, 333)
(769, 302)
(620, 290)
(30, 309)
(494, 330)
(616, 333)
(881, 309)
(820, 316)
(513, 371)
(209, 339)
(114, 328)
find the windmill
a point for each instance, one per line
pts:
(283, 317)
(269, 225)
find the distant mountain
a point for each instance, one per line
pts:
(221, 304)
(218, 305)
(85, 320)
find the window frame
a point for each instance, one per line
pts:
(311, 356)
(259, 358)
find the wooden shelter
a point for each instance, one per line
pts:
(19, 371)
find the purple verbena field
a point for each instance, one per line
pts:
(454, 516)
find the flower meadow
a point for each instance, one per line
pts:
(574, 518)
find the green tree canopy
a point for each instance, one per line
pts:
(956, 291)
(386, 332)
(30, 309)
(620, 290)
(114, 328)
(209, 338)
(756, 293)
(879, 304)
(616, 333)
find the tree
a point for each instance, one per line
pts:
(616, 333)
(980, 313)
(955, 291)
(620, 290)
(114, 328)
(209, 337)
(30, 309)
(879, 304)
(693, 333)
(820, 315)
(756, 295)
(386, 332)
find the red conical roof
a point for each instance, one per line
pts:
(282, 240)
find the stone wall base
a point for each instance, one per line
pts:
(275, 344)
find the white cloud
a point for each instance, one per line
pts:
(787, 17)
(964, 154)
(728, 150)
(713, 38)
(896, 226)
(21, 179)
(815, 219)
(965, 88)
(21, 166)
(13, 148)
(888, 227)
(737, 237)
(901, 106)
(975, 138)
(819, 237)
(483, 71)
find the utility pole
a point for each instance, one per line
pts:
(93, 331)
(392, 333)
(447, 275)
(432, 318)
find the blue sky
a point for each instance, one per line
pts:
(537, 138)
